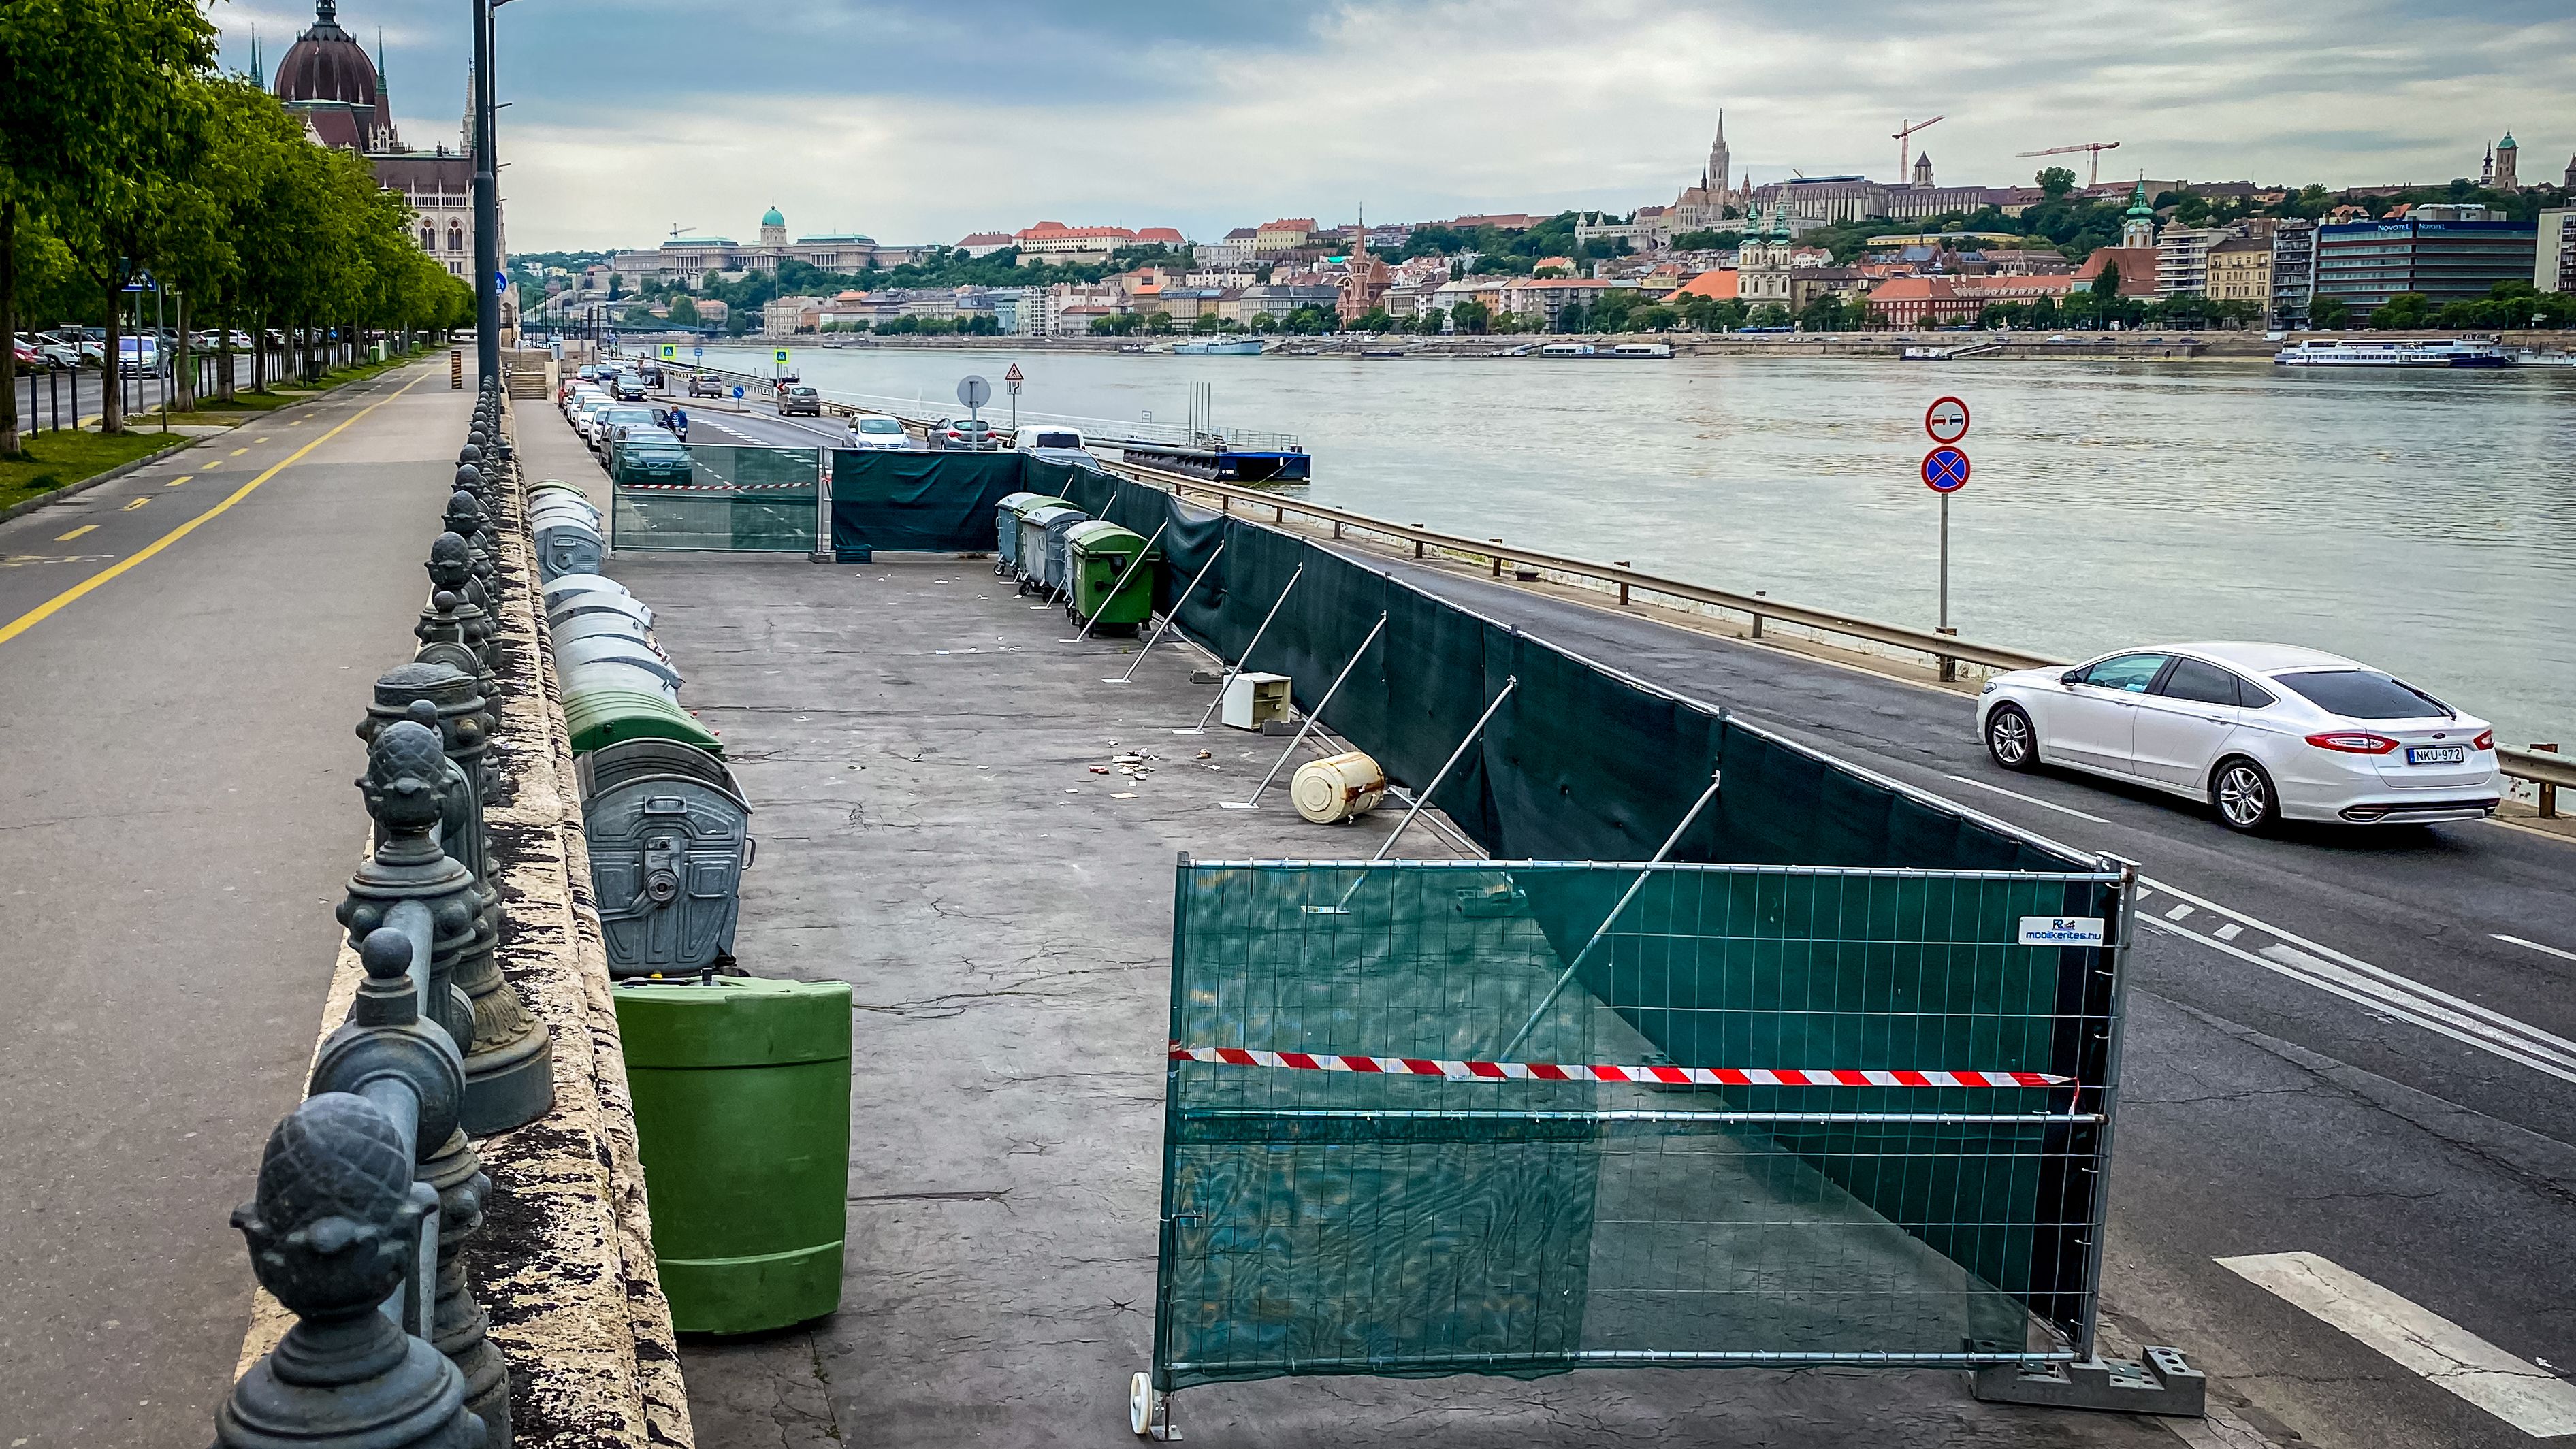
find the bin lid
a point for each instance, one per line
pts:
(1025, 504)
(732, 1021)
(585, 584)
(1101, 536)
(1054, 515)
(595, 717)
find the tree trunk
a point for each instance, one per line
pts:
(9, 421)
(111, 370)
(259, 352)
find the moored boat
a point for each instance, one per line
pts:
(2409, 352)
(1219, 347)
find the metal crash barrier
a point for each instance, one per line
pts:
(1433, 1117)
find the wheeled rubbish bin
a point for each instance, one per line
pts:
(1105, 587)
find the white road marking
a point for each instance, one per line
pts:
(2523, 1394)
(2178, 913)
(2030, 799)
(2373, 996)
(2517, 940)
(2227, 932)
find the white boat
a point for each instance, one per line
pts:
(1569, 349)
(2529, 358)
(2415, 352)
(1219, 347)
(1642, 349)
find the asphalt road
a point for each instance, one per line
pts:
(176, 821)
(2332, 1047)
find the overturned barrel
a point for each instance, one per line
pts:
(670, 836)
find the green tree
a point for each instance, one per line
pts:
(2055, 182)
(1471, 316)
(2329, 314)
(1158, 323)
(1769, 314)
(1430, 321)
(2405, 311)
(1571, 318)
(684, 311)
(1206, 322)
(2107, 284)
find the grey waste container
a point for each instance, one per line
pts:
(610, 648)
(1042, 534)
(567, 546)
(670, 836)
(1006, 526)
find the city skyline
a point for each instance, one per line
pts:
(1159, 114)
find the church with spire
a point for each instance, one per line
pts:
(1706, 207)
(342, 94)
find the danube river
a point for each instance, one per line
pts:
(2422, 521)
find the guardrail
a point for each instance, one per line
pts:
(2547, 770)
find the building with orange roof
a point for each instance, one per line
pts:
(2137, 269)
(1717, 284)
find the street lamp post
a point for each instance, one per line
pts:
(487, 205)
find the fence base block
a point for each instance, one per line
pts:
(2162, 1384)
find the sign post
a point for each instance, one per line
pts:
(1012, 380)
(1945, 471)
(974, 392)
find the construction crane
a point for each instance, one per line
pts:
(675, 231)
(2092, 149)
(1904, 139)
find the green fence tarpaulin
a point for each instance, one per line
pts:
(929, 502)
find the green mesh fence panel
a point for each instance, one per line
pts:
(737, 499)
(1345, 1221)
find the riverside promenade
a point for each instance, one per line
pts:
(184, 654)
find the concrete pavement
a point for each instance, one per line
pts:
(183, 659)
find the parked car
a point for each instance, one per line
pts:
(605, 421)
(622, 436)
(702, 385)
(582, 397)
(651, 372)
(2261, 732)
(964, 435)
(650, 456)
(1056, 444)
(137, 356)
(589, 372)
(585, 416)
(875, 433)
(797, 399)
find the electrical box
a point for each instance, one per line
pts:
(1254, 700)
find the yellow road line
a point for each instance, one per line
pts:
(137, 503)
(214, 462)
(58, 602)
(75, 533)
(182, 478)
(237, 452)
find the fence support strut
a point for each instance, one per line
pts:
(1228, 682)
(1604, 929)
(1174, 614)
(1313, 717)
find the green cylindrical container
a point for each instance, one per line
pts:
(742, 1114)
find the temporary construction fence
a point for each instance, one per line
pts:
(738, 499)
(1419, 1120)
(1831, 1082)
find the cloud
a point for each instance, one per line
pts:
(920, 121)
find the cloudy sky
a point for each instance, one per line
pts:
(922, 120)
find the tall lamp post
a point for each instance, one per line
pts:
(487, 205)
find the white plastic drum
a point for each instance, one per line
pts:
(1337, 788)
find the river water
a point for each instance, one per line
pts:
(2421, 521)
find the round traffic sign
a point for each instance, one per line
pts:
(737, 390)
(1946, 420)
(1945, 470)
(973, 391)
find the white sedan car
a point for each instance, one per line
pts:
(2262, 732)
(876, 433)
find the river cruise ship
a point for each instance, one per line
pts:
(2315, 352)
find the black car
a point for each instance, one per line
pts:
(798, 399)
(651, 373)
(702, 385)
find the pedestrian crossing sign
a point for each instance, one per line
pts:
(782, 357)
(670, 352)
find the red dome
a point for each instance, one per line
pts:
(327, 64)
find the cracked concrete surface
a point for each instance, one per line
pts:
(1007, 948)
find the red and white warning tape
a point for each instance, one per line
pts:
(1669, 1076)
(708, 487)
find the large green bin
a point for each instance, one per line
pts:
(604, 716)
(742, 1116)
(1098, 556)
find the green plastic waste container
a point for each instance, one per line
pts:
(604, 716)
(1097, 556)
(742, 1115)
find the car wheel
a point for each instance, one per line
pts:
(2244, 796)
(2010, 739)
